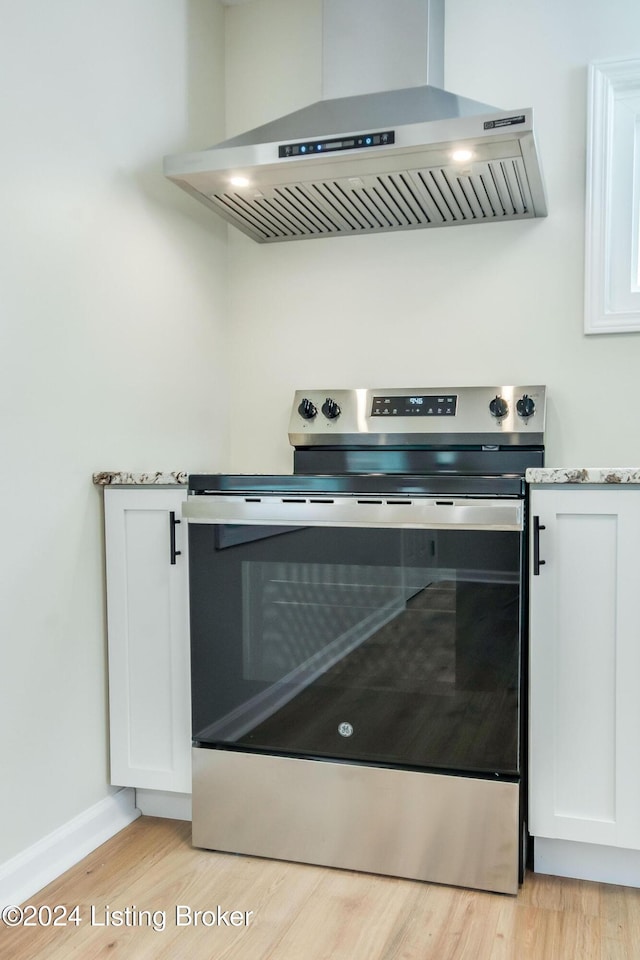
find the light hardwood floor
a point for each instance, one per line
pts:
(301, 912)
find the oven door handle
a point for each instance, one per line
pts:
(433, 513)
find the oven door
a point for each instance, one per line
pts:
(377, 631)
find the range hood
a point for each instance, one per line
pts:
(398, 159)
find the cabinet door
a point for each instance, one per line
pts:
(147, 613)
(585, 667)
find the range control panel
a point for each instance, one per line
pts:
(499, 415)
(420, 405)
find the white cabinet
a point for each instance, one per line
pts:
(584, 770)
(148, 629)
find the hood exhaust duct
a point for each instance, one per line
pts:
(375, 162)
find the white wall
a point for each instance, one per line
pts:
(488, 303)
(111, 337)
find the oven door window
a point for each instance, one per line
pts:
(390, 646)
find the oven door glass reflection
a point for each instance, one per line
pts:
(390, 646)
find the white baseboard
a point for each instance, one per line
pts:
(587, 861)
(161, 803)
(44, 861)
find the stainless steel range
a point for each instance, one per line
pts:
(358, 638)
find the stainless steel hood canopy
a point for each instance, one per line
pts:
(376, 162)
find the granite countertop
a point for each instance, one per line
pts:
(610, 475)
(119, 477)
(583, 475)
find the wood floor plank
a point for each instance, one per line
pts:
(289, 911)
(348, 916)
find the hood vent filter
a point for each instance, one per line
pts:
(409, 199)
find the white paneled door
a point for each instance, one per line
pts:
(147, 613)
(585, 666)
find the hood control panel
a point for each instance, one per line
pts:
(310, 148)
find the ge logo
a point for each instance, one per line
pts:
(345, 729)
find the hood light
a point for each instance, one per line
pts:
(239, 182)
(461, 156)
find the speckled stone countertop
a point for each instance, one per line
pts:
(108, 478)
(609, 475)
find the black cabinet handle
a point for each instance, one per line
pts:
(537, 562)
(173, 553)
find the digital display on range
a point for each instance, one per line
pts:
(309, 148)
(441, 405)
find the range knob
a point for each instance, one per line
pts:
(525, 407)
(498, 407)
(307, 409)
(330, 409)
